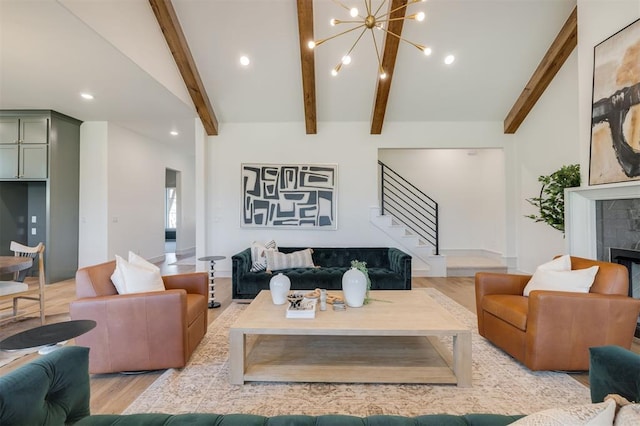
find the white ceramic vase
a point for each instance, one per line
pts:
(279, 286)
(354, 287)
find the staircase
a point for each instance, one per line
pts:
(410, 217)
(430, 264)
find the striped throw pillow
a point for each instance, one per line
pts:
(298, 259)
(258, 254)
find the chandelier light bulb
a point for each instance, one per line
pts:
(346, 59)
(420, 16)
(334, 72)
(383, 75)
(332, 22)
(427, 51)
(449, 59)
(244, 61)
(353, 12)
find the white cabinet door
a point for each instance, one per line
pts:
(8, 161)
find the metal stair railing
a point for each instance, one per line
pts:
(408, 205)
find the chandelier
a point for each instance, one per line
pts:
(369, 21)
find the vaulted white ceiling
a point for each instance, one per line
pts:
(51, 50)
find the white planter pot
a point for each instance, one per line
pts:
(279, 286)
(354, 287)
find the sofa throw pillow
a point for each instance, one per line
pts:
(629, 415)
(259, 256)
(577, 280)
(298, 259)
(586, 415)
(136, 276)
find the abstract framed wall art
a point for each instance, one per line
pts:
(295, 196)
(615, 113)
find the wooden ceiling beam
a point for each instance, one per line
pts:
(170, 26)
(307, 61)
(560, 49)
(390, 52)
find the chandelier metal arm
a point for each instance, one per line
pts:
(356, 42)
(341, 4)
(379, 7)
(416, 45)
(398, 8)
(381, 72)
(319, 42)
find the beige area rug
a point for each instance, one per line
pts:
(9, 356)
(500, 385)
(187, 261)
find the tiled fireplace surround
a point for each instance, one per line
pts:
(601, 217)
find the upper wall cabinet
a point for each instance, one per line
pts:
(24, 147)
(39, 186)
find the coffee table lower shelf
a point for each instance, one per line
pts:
(348, 359)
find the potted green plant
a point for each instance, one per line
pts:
(550, 203)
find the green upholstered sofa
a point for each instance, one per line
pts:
(54, 390)
(389, 269)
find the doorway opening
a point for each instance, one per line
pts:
(171, 207)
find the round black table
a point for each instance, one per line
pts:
(212, 284)
(47, 335)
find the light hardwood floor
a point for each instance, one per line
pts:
(112, 393)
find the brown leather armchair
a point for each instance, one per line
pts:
(142, 331)
(553, 330)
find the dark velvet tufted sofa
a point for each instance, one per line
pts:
(389, 269)
(54, 390)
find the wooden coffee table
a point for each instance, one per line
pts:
(394, 340)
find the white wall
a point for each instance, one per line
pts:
(122, 194)
(547, 140)
(469, 187)
(347, 144)
(93, 208)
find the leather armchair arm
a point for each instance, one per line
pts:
(132, 329)
(497, 283)
(564, 324)
(127, 307)
(193, 283)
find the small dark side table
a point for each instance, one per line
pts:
(47, 335)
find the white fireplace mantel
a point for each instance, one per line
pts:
(580, 214)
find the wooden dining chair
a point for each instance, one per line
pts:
(23, 287)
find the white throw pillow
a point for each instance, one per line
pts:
(541, 279)
(584, 415)
(258, 255)
(629, 415)
(577, 281)
(117, 278)
(141, 261)
(136, 276)
(298, 259)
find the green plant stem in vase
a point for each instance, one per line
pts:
(362, 267)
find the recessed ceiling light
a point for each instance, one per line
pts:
(173, 133)
(244, 61)
(449, 59)
(87, 96)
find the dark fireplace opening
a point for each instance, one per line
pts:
(630, 259)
